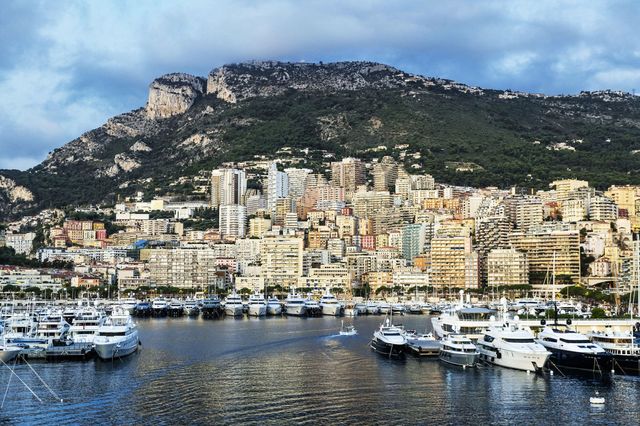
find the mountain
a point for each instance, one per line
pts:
(458, 133)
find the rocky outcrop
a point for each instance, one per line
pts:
(15, 193)
(140, 147)
(173, 94)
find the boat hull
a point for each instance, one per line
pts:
(234, 310)
(459, 358)
(601, 363)
(386, 349)
(109, 349)
(296, 310)
(273, 309)
(514, 359)
(8, 353)
(257, 310)
(628, 365)
(333, 310)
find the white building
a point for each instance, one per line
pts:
(21, 243)
(277, 186)
(233, 220)
(228, 186)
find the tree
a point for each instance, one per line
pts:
(382, 290)
(598, 313)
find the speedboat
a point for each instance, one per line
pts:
(573, 351)
(273, 306)
(349, 330)
(330, 305)
(513, 346)
(86, 325)
(160, 307)
(389, 340)
(117, 336)
(233, 305)
(458, 350)
(623, 347)
(257, 305)
(294, 305)
(422, 344)
(175, 308)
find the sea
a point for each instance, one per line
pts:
(296, 371)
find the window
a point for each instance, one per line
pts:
(575, 341)
(549, 339)
(521, 340)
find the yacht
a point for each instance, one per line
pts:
(160, 307)
(233, 305)
(384, 308)
(513, 346)
(9, 352)
(211, 307)
(389, 340)
(422, 344)
(372, 307)
(330, 305)
(175, 308)
(458, 350)
(69, 313)
(129, 304)
(312, 307)
(294, 305)
(53, 326)
(257, 305)
(117, 336)
(191, 308)
(398, 309)
(361, 308)
(143, 309)
(85, 326)
(574, 351)
(273, 306)
(623, 347)
(471, 322)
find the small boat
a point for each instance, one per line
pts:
(389, 340)
(459, 350)
(349, 330)
(597, 399)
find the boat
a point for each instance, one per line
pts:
(273, 306)
(384, 308)
(372, 308)
(350, 309)
(191, 308)
(415, 309)
(257, 305)
(472, 322)
(295, 305)
(623, 347)
(129, 304)
(597, 399)
(457, 349)
(513, 346)
(389, 340)
(361, 308)
(160, 307)
(422, 344)
(349, 330)
(233, 305)
(572, 351)
(52, 326)
(329, 305)
(175, 308)
(212, 307)
(9, 352)
(142, 309)
(398, 309)
(117, 336)
(312, 307)
(86, 325)
(69, 313)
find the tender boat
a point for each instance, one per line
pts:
(623, 348)
(572, 351)
(330, 305)
(117, 336)
(233, 305)
(273, 306)
(389, 340)
(513, 346)
(597, 399)
(294, 305)
(257, 305)
(458, 350)
(349, 330)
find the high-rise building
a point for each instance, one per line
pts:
(626, 198)
(491, 233)
(258, 226)
(602, 208)
(524, 211)
(281, 259)
(454, 264)
(565, 186)
(366, 204)
(413, 240)
(507, 267)
(228, 186)
(297, 181)
(385, 174)
(348, 173)
(232, 220)
(277, 186)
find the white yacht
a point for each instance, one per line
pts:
(129, 304)
(294, 305)
(85, 326)
(233, 305)
(458, 350)
(574, 351)
(372, 307)
(330, 305)
(52, 326)
(175, 308)
(160, 306)
(623, 347)
(273, 306)
(513, 346)
(389, 340)
(312, 307)
(471, 322)
(384, 308)
(9, 352)
(257, 305)
(117, 336)
(191, 308)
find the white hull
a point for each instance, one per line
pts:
(332, 309)
(350, 312)
(516, 360)
(233, 310)
(274, 309)
(296, 310)
(110, 348)
(8, 353)
(257, 310)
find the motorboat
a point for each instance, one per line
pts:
(142, 309)
(572, 351)
(398, 309)
(372, 308)
(257, 305)
(623, 347)
(9, 352)
(422, 344)
(69, 313)
(389, 340)
(86, 325)
(415, 309)
(384, 308)
(513, 346)
(312, 307)
(350, 310)
(160, 307)
(472, 322)
(457, 349)
(349, 330)
(175, 308)
(191, 308)
(329, 305)
(360, 308)
(117, 336)
(597, 399)
(129, 304)
(233, 305)
(273, 306)
(294, 305)
(211, 307)
(53, 326)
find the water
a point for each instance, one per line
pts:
(292, 370)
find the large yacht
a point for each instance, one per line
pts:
(458, 350)
(471, 322)
(512, 345)
(52, 326)
(129, 304)
(191, 308)
(117, 336)
(330, 305)
(175, 308)
(257, 305)
(160, 307)
(623, 348)
(389, 340)
(312, 307)
(233, 305)
(294, 305)
(574, 351)
(273, 306)
(85, 326)
(8, 352)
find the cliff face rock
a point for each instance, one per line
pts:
(173, 94)
(13, 192)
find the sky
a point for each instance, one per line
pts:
(67, 66)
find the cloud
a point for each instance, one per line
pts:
(66, 67)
